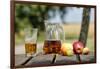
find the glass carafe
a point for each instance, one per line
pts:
(54, 37)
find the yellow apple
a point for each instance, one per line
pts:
(69, 52)
(86, 50)
(67, 49)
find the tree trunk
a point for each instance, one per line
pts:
(84, 28)
(85, 25)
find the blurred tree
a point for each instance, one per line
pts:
(34, 15)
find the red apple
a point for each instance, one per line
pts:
(78, 47)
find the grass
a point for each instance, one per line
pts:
(73, 30)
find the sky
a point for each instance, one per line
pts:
(73, 16)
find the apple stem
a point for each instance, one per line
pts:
(54, 58)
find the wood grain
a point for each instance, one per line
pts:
(42, 59)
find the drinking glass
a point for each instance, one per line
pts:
(31, 41)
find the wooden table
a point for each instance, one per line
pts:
(45, 60)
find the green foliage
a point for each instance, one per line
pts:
(28, 15)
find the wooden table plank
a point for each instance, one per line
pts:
(41, 59)
(20, 59)
(47, 59)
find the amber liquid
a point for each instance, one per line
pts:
(30, 48)
(52, 46)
